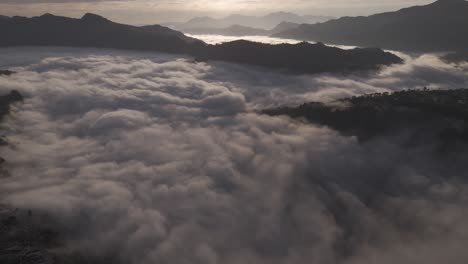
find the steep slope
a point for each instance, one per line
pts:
(440, 26)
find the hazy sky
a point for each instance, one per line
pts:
(151, 11)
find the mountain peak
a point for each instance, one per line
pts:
(48, 15)
(94, 17)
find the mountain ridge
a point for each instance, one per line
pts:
(238, 30)
(98, 32)
(91, 31)
(439, 26)
(266, 22)
(234, 30)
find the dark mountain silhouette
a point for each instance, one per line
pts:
(91, 31)
(440, 26)
(433, 113)
(3, 17)
(283, 26)
(237, 30)
(295, 57)
(264, 22)
(96, 31)
(6, 72)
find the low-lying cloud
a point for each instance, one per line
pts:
(158, 159)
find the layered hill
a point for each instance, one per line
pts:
(98, 32)
(440, 26)
(266, 22)
(238, 30)
(234, 30)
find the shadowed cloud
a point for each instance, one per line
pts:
(153, 158)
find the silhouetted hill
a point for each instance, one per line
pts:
(235, 30)
(264, 22)
(283, 26)
(96, 31)
(298, 57)
(6, 72)
(439, 113)
(91, 31)
(440, 26)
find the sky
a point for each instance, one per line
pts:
(159, 11)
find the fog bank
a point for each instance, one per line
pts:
(157, 159)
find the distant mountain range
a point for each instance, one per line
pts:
(237, 30)
(234, 30)
(262, 22)
(440, 26)
(95, 31)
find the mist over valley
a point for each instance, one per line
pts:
(141, 145)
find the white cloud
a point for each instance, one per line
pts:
(158, 159)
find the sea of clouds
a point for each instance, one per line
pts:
(153, 158)
(219, 39)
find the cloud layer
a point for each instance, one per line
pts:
(159, 159)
